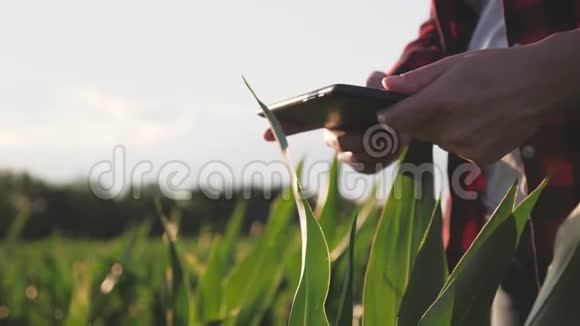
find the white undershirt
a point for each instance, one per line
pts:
(490, 33)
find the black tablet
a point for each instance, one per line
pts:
(336, 106)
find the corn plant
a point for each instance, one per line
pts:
(407, 282)
(557, 301)
(372, 265)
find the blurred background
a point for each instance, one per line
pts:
(102, 103)
(162, 79)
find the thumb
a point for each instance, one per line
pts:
(375, 79)
(416, 80)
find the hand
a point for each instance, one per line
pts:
(479, 105)
(366, 151)
(355, 148)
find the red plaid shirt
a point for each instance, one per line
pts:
(554, 150)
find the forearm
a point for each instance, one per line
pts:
(425, 49)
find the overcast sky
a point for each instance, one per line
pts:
(163, 77)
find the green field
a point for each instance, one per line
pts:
(372, 269)
(246, 279)
(342, 264)
(119, 282)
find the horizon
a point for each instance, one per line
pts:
(163, 79)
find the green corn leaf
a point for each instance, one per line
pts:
(364, 238)
(344, 316)
(105, 273)
(181, 307)
(428, 276)
(367, 218)
(399, 233)
(58, 278)
(308, 305)
(248, 290)
(293, 269)
(367, 210)
(281, 248)
(210, 283)
(502, 212)
(522, 211)
(330, 211)
(220, 259)
(136, 239)
(470, 289)
(180, 287)
(16, 227)
(233, 231)
(79, 306)
(557, 302)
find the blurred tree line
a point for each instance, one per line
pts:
(71, 210)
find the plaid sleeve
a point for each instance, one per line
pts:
(426, 49)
